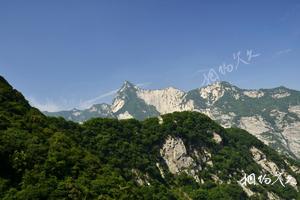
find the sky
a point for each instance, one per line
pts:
(66, 54)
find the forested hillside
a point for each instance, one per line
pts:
(176, 156)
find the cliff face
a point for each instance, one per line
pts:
(179, 160)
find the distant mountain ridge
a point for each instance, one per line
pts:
(272, 115)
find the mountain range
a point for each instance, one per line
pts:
(272, 115)
(181, 155)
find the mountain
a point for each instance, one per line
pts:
(76, 115)
(272, 115)
(182, 155)
(127, 104)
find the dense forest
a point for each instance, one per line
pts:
(51, 158)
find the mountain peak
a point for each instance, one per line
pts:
(127, 86)
(225, 83)
(127, 83)
(221, 83)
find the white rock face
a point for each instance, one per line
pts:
(217, 138)
(77, 113)
(290, 131)
(281, 95)
(261, 159)
(273, 196)
(216, 179)
(125, 115)
(277, 114)
(141, 179)
(255, 125)
(279, 119)
(293, 167)
(268, 166)
(160, 120)
(175, 155)
(295, 109)
(93, 109)
(212, 93)
(225, 119)
(292, 135)
(177, 159)
(101, 109)
(236, 96)
(254, 93)
(161, 171)
(166, 101)
(204, 157)
(117, 105)
(207, 112)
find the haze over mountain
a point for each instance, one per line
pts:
(272, 115)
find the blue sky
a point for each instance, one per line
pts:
(63, 54)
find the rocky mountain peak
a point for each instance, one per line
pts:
(127, 86)
(124, 94)
(212, 93)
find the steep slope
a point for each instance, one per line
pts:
(179, 156)
(272, 115)
(127, 104)
(269, 114)
(166, 100)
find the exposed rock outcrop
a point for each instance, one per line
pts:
(178, 159)
(271, 167)
(217, 138)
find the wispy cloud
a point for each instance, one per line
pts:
(283, 51)
(88, 103)
(44, 106)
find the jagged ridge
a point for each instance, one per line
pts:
(272, 115)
